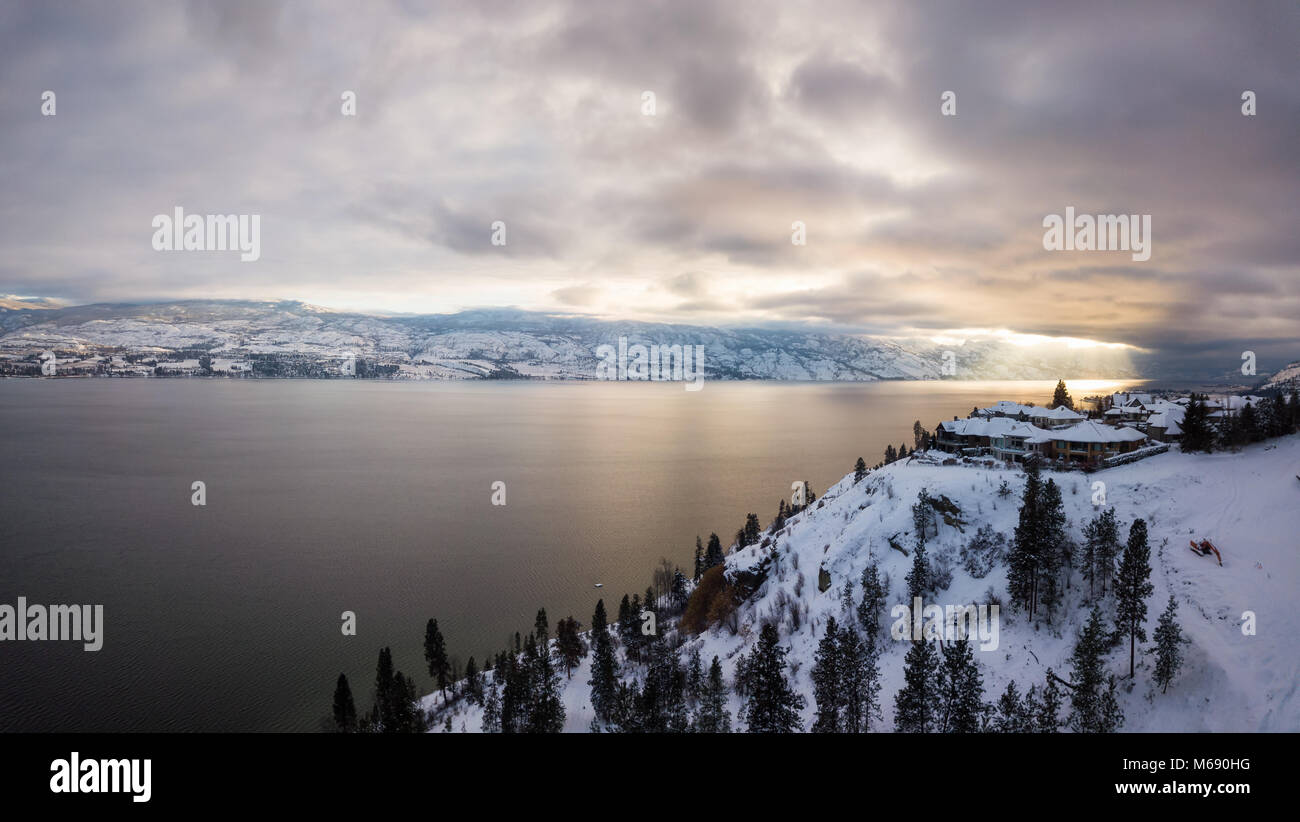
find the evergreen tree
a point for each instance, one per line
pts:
(1092, 708)
(492, 710)
(1249, 423)
(699, 559)
(752, 530)
(1061, 398)
(712, 716)
(871, 606)
(1169, 652)
(569, 644)
(859, 470)
(1101, 546)
(859, 682)
(1197, 433)
(542, 631)
(890, 454)
(603, 677)
(382, 715)
(678, 594)
(1054, 552)
(713, 555)
(694, 677)
(773, 707)
(914, 704)
(345, 710)
(1026, 549)
(1132, 587)
(918, 579)
(1010, 712)
(435, 654)
(1111, 716)
(1047, 714)
(961, 690)
(545, 709)
(1030, 708)
(472, 688)
(826, 678)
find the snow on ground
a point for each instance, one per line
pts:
(1247, 503)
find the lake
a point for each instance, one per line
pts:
(376, 498)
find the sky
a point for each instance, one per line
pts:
(828, 114)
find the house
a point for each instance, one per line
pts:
(1091, 442)
(1004, 437)
(1166, 426)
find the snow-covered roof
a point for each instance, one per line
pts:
(1089, 431)
(1170, 421)
(995, 427)
(1060, 412)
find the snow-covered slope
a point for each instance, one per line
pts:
(1247, 503)
(476, 343)
(1288, 377)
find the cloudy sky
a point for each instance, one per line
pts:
(765, 113)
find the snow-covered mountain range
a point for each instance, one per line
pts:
(502, 342)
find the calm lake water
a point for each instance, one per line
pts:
(375, 497)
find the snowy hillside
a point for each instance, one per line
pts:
(1288, 377)
(1247, 503)
(482, 343)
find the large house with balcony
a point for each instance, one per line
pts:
(1091, 442)
(1010, 439)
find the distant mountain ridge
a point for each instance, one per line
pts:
(508, 342)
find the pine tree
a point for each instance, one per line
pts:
(1250, 428)
(890, 454)
(473, 683)
(1010, 715)
(382, 715)
(826, 678)
(871, 606)
(712, 716)
(753, 530)
(859, 682)
(961, 690)
(1169, 652)
(492, 710)
(1089, 704)
(1197, 434)
(1132, 587)
(569, 644)
(859, 470)
(713, 555)
(1061, 398)
(914, 704)
(1047, 716)
(1054, 553)
(603, 677)
(542, 630)
(773, 707)
(1101, 545)
(1030, 707)
(699, 559)
(1027, 546)
(545, 709)
(694, 677)
(435, 654)
(918, 578)
(345, 710)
